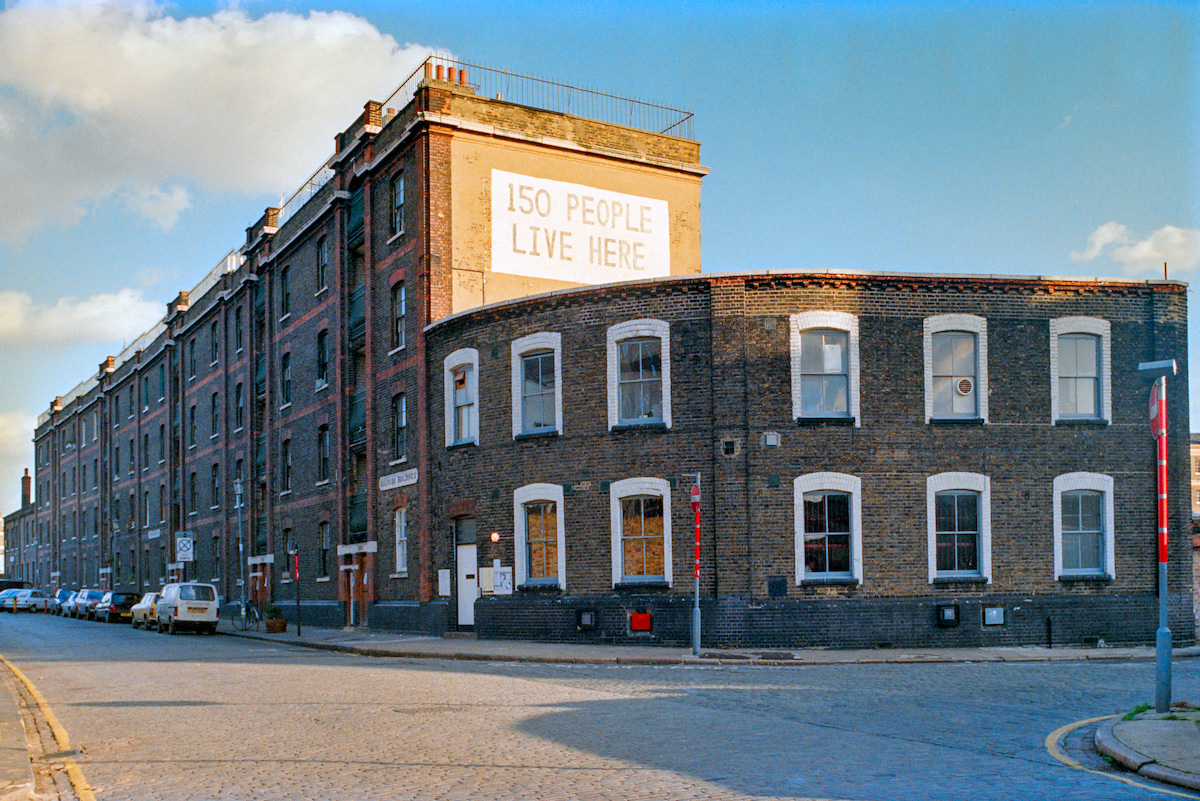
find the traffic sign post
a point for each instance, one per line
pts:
(696, 600)
(296, 584)
(1158, 425)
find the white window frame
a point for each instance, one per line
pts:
(637, 329)
(973, 482)
(400, 523)
(628, 487)
(1062, 326)
(543, 340)
(463, 357)
(532, 493)
(837, 482)
(972, 324)
(837, 321)
(1095, 482)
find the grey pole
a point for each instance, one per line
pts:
(237, 491)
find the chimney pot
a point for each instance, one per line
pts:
(441, 72)
(462, 77)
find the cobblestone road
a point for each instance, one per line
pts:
(218, 718)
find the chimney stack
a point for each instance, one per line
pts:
(26, 489)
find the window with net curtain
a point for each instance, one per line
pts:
(824, 373)
(1079, 376)
(640, 380)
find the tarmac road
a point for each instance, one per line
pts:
(198, 717)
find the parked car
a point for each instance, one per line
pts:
(84, 601)
(145, 611)
(187, 605)
(30, 601)
(115, 607)
(58, 599)
(6, 600)
(67, 604)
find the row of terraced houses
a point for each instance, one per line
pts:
(467, 377)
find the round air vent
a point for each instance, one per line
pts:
(965, 386)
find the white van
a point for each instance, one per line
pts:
(188, 605)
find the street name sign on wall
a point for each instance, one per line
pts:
(570, 232)
(397, 480)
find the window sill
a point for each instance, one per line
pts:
(826, 421)
(545, 588)
(285, 318)
(320, 292)
(464, 444)
(641, 586)
(956, 421)
(322, 386)
(401, 460)
(653, 425)
(394, 237)
(396, 350)
(397, 575)
(1070, 578)
(1081, 423)
(213, 436)
(959, 580)
(322, 483)
(285, 493)
(831, 581)
(212, 364)
(549, 433)
(287, 405)
(323, 579)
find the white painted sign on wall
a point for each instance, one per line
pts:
(570, 232)
(397, 480)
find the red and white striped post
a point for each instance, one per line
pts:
(1158, 424)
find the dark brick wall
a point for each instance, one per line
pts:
(731, 381)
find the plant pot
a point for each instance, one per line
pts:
(276, 625)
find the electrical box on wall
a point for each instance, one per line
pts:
(640, 622)
(947, 615)
(993, 616)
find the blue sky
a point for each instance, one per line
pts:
(1029, 138)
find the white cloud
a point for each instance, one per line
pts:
(1101, 238)
(109, 317)
(1178, 247)
(16, 454)
(99, 99)
(161, 208)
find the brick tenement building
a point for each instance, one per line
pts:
(406, 360)
(877, 452)
(295, 369)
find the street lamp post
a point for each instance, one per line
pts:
(1158, 422)
(695, 500)
(237, 491)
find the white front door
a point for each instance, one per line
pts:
(468, 585)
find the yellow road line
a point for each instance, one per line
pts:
(78, 781)
(1053, 738)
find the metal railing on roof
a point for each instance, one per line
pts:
(526, 90)
(523, 90)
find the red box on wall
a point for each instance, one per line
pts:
(640, 621)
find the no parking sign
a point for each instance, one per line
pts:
(184, 551)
